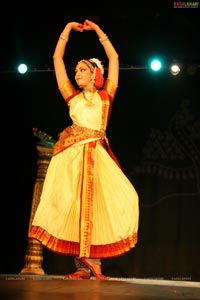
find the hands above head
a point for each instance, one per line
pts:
(87, 25)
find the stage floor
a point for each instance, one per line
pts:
(50, 287)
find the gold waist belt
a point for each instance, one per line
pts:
(74, 134)
(87, 132)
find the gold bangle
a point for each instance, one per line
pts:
(64, 38)
(103, 38)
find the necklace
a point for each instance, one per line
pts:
(88, 96)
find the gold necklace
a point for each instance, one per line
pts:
(88, 96)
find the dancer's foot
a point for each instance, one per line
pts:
(95, 268)
(79, 274)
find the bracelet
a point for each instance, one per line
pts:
(64, 38)
(103, 38)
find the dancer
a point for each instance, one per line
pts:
(88, 207)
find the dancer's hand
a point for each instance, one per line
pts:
(89, 25)
(76, 26)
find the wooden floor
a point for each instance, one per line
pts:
(49, 287)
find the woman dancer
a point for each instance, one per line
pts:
(88, 207)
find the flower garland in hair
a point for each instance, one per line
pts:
(99, 71)
(98, 63)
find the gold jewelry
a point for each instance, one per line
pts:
(64, 38)
(88, 98)
(103, 38)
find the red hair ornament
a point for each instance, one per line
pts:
(99, 79)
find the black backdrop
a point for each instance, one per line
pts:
(154, 131)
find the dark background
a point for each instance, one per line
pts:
(154, 128)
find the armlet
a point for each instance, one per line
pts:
(67, 90)
(111, 88)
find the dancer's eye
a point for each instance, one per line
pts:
(83, 70)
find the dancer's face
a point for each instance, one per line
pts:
(83, 75)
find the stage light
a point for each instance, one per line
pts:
(22, 68)
(175, 69)
(155, 65)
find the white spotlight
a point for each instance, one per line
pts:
(22, 68)
(175, 69)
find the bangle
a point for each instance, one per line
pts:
(103, 38)
(64, 38)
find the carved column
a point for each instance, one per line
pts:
(34, 252)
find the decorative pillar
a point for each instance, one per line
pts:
(34, 252)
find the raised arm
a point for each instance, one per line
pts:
(111, 53)
(59, 66)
